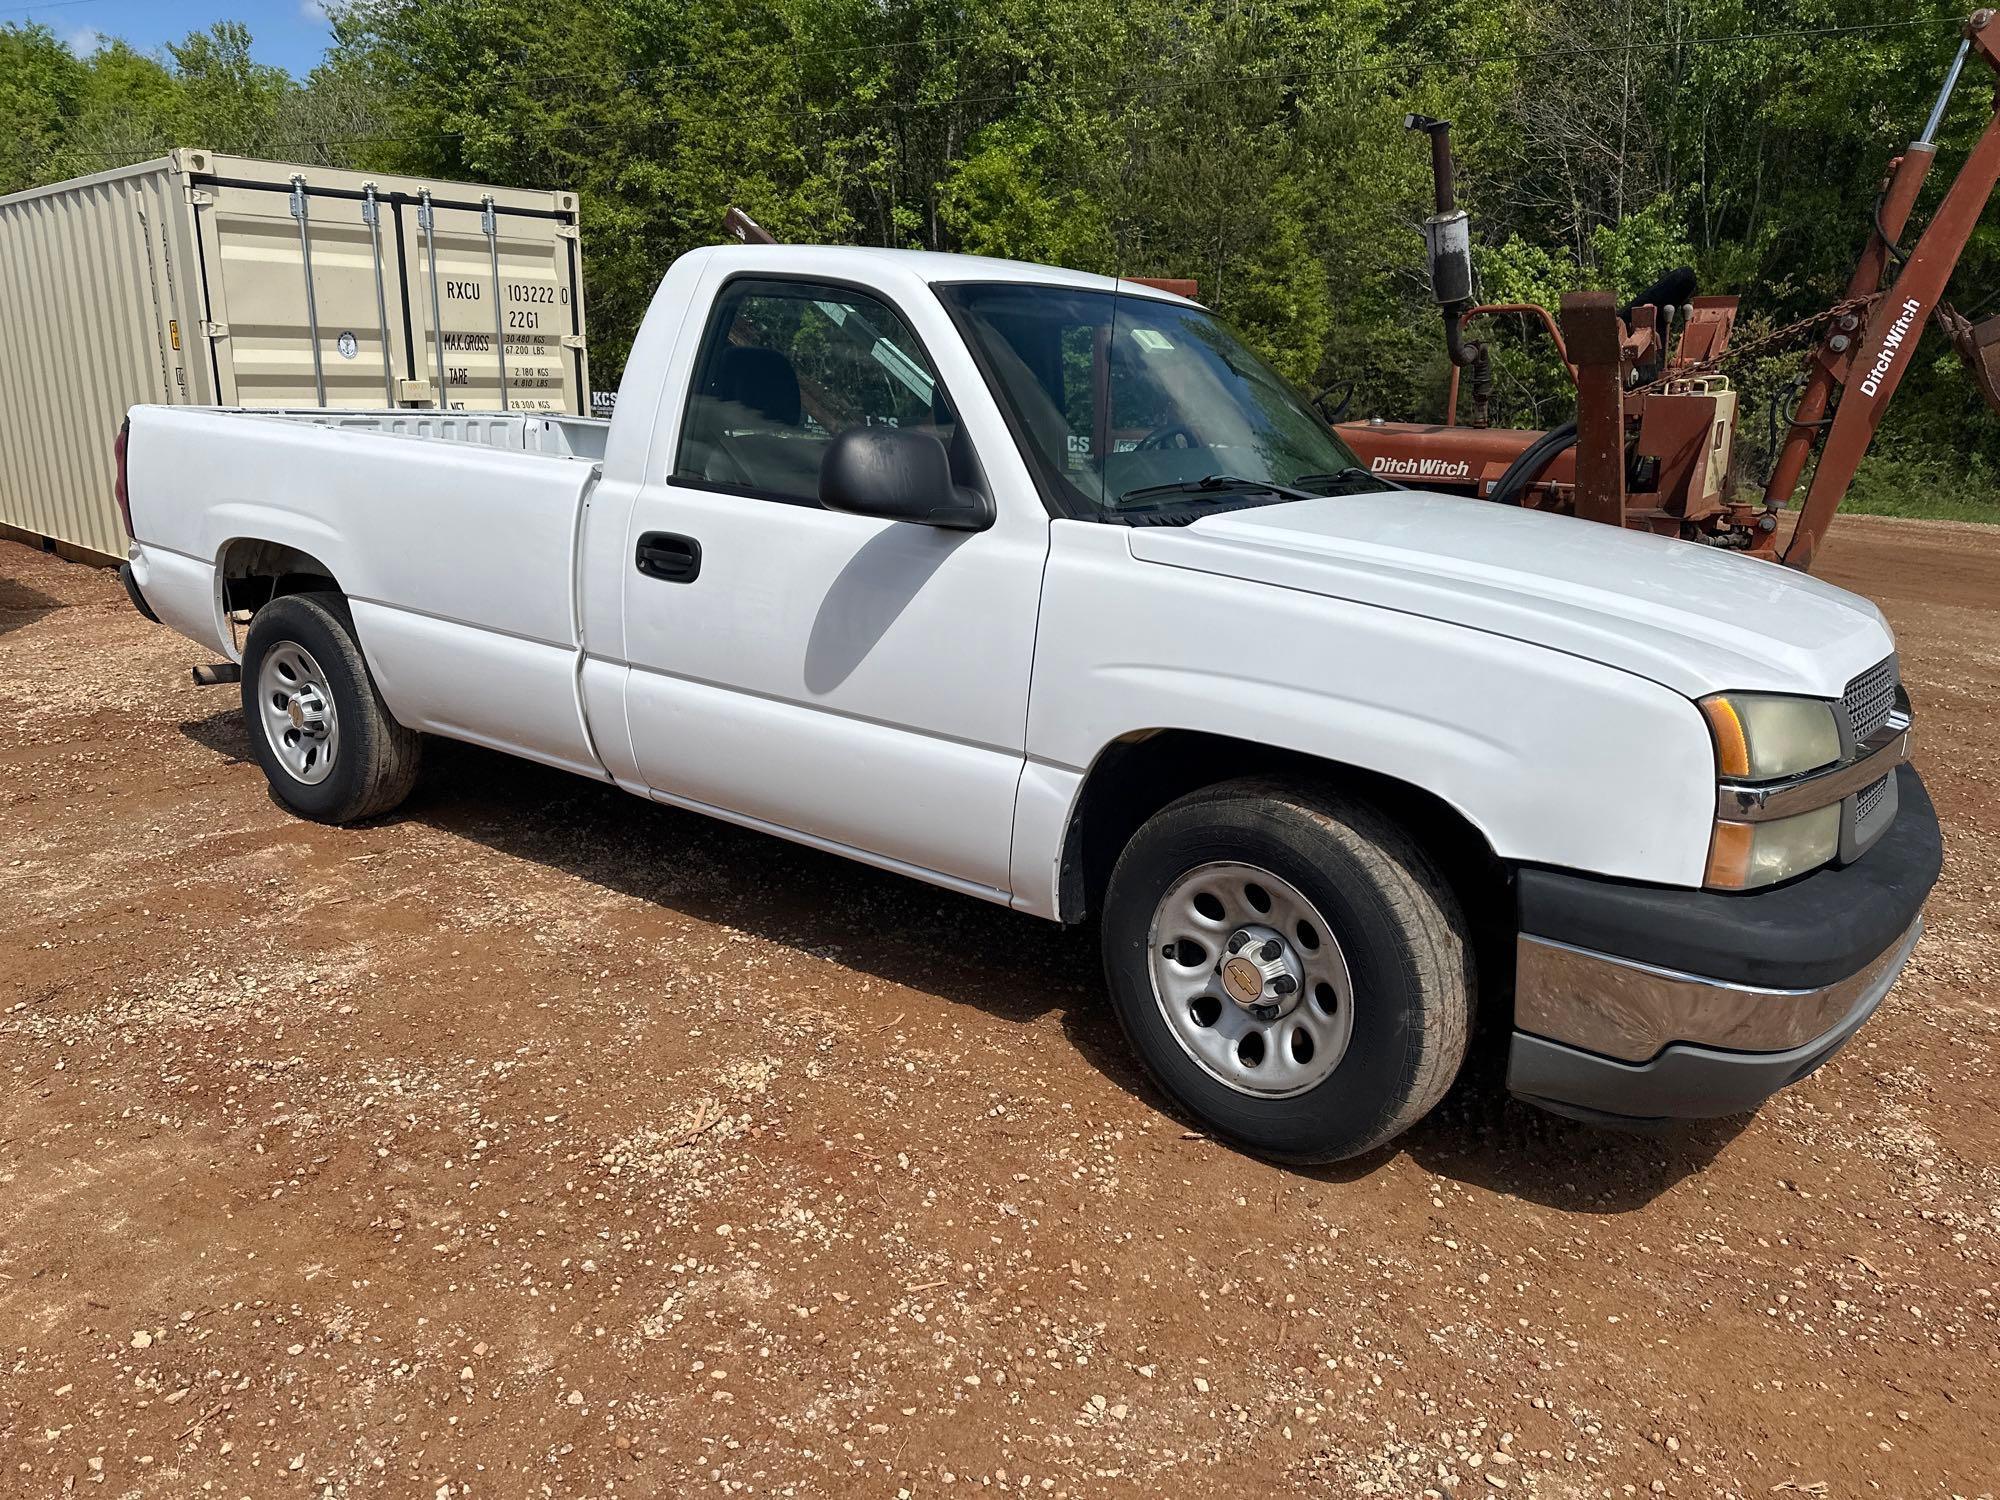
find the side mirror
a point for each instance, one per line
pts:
(898, 474)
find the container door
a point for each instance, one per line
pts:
(272, 319)
(503, 295)
(171, 345)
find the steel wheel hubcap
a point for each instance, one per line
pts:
(1250, 980)
(296, 704)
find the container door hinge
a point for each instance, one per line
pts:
(215, 330)
(566, 231)
(572, 341)
(201, 197)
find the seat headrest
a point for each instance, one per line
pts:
(761, 379)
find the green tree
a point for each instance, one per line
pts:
(40, 84)
(225, 99)
(1255, 147)
(124, 113)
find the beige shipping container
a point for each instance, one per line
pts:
(211, 280)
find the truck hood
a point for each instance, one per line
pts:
(1696, 619)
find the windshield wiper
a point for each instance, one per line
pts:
(1348, 475)
(1213, 484)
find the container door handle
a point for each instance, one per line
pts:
(669, 558)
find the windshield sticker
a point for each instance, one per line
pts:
(1151, 339)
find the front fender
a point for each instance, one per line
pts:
(1556, 760)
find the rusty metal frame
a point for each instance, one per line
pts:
(1595, 335)
(1640, 458)
(1495, 309)
(1867, 370)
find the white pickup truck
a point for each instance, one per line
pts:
(1042, 587)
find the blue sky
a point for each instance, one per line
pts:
(289, 33)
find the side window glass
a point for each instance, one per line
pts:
(1101, 398)
(784, 368)
(1077, 394)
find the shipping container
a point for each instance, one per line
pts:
(212, 280)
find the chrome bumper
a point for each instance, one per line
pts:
(1638, 1003)
(1688, 1047)
(1630, 1011)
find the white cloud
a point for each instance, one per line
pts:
(313, 11)
(85, 40)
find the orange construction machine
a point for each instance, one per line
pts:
(1652, 442)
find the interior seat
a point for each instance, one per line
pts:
(760, 380)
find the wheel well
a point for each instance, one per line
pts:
(1138, 775)
(254, 572)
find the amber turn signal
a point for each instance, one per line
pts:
(1732, 746)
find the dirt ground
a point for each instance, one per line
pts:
(539, 1141)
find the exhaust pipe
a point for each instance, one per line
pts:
(1448, 247)
(1447, 232)
(218, 674)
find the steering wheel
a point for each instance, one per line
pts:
(1163, 437)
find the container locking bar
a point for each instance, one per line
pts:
(427, 221)
(312, 306)
(371, 215)
(490, 222)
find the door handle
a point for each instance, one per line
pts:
(667, 557)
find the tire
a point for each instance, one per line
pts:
(1377, 1057)
(354, 762)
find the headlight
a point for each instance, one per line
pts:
(1743, 856)
(1763, 736)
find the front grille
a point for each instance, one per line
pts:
(1874, 811)
(1869, 799)
(1870, 698)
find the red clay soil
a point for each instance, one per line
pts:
(539, 1141)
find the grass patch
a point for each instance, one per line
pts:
(1924, 490)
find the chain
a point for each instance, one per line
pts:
(1770, 340)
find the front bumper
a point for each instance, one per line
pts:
(1639, 1003)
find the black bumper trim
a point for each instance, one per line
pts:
(1814, 931)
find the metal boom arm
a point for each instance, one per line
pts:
(1867, 370)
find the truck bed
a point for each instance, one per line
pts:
(452, 535)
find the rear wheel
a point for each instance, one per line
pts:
(328, 745)
(1291, 966)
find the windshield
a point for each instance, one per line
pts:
(1131, 406)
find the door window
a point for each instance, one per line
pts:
(787, 366)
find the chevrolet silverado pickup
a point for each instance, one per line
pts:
(1044, 588)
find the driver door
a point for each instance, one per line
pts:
(856, 683)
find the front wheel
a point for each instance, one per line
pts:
(1291, 967)
(328, 745)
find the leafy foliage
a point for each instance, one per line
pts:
(1256, 145)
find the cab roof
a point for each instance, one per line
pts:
(932, 266)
